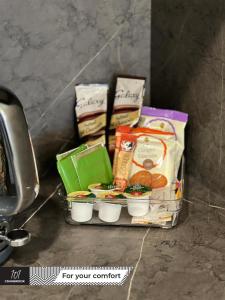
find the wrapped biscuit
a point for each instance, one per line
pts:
(127, 105)
(153, 161)
(169, 121)
(91, 108)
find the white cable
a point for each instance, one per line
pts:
(46, 200)
(137, 263)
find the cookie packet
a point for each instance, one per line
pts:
(91, 109)
(127, 105)
(167, 120)
(153, 161)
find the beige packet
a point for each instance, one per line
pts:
(170, 121)
(91, 108)
(152, 159)
(127, 106)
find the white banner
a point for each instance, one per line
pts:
(79, 275)
(97, 276)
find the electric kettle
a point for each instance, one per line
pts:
(21, 177)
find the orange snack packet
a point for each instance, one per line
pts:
(144, 156)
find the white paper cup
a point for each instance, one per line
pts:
(109, 212)
(137, 208)
(81, 212)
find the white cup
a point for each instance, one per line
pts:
(81, 212)
(109, 212)
(137, 208)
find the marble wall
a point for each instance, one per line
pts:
(48, 46)
(188, 56)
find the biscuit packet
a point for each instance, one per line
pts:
(155, 158)
(130, 144)
(169, 121)
(127, 105)
(91, 108)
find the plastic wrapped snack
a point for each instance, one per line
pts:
(154, 159)
(169, 121)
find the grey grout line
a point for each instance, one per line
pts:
(78, 74)
(186, 200)
(208, 210)
(46, 200)
(137, 263)
(216, 206)
(203, 203)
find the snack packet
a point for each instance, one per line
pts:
(126, 144)
(124, 159)
(91, 107)
(166, 120)
(128, 101)
(155, 158)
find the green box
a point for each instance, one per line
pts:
(83, 166)
(67, 169)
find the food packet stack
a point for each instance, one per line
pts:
(150, 155)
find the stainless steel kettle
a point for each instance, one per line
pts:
(22, 183)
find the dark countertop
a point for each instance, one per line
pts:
(186, 262)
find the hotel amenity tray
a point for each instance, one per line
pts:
(162, 213)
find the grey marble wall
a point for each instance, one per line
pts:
(48, 46)
(188, 56)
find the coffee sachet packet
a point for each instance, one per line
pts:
(127, 106)
(91, 108)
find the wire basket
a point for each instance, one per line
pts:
(162, 209)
